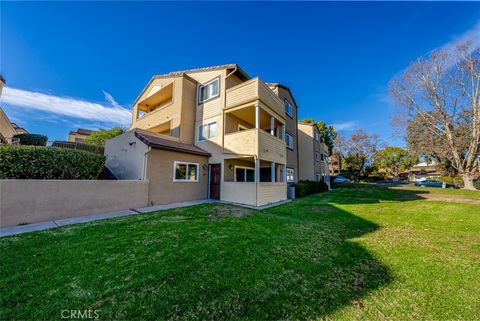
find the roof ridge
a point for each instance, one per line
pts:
(180, 72)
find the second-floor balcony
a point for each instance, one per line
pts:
(254, 91)
(256, 142)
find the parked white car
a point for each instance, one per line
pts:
(341, 180)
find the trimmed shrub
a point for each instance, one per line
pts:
(32, 139)
(303, 188)
(35, 162)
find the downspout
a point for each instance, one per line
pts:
(145, 163)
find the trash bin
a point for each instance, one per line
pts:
(291, 192)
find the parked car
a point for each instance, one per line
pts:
(341, 180)
(433, 184)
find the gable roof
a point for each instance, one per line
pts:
(156, 141)
(184, 73)
(276, 84)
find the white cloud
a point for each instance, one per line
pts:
(345, 126)
(112, 112)
(472, 35)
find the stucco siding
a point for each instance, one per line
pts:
(163, 190)
(33, 201)
(126, 156)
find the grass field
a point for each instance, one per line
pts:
(357, 253)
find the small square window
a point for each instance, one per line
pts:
(185, 172)
(288, 108)
(209, 90)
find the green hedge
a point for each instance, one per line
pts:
(37, 162)
(32, 139)
(303, 188)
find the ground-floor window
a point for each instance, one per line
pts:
(185, 172)
(244, 174)
(317, 177)
(290, 175)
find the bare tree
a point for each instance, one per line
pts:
(441, 95)
(357, 150)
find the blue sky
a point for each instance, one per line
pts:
(70, 65)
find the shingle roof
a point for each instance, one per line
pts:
(155, 141)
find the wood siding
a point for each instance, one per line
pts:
(256, 142)
(252, 90)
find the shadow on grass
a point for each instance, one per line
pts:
(296, 261)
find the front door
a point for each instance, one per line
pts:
(215, 181)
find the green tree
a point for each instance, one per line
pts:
(327, 133)
(100, 137)
(393, 160)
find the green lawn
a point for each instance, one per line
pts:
(356, 253)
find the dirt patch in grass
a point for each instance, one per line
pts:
(321, 209)
(221, 212)
(449, 198)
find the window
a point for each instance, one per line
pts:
(322, 157)
(290, 175)
(244, 174)
(289, 140)
(207, 131)
(317, 136)
(288, 108)
(208, 91)
(317, 156)
(185, 172)
(317, 177)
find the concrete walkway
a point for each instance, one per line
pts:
(13, 230)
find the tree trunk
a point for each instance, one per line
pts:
(468, 181)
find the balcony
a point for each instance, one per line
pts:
(252, 91)
(256, 142)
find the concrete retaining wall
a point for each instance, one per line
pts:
(31, 201)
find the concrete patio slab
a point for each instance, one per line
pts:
(13, 230)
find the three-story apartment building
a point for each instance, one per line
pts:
(217, 132)
(238, 120)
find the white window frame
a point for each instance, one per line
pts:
(318, 177)
(317, 156)
(293, 175)
(245, 168)
(200, 129)
(288, 111)
(199, 90)
(291, 140)
(186, 180)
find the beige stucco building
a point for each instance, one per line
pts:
(79, 135)
(313, 154)
(247, 128)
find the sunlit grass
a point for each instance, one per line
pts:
(358, 252)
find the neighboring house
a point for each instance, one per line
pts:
(335, 164)
(79, 135)
(291, 129)
(313, 161)
(424, 170)
(229, 131)
(8, 129)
